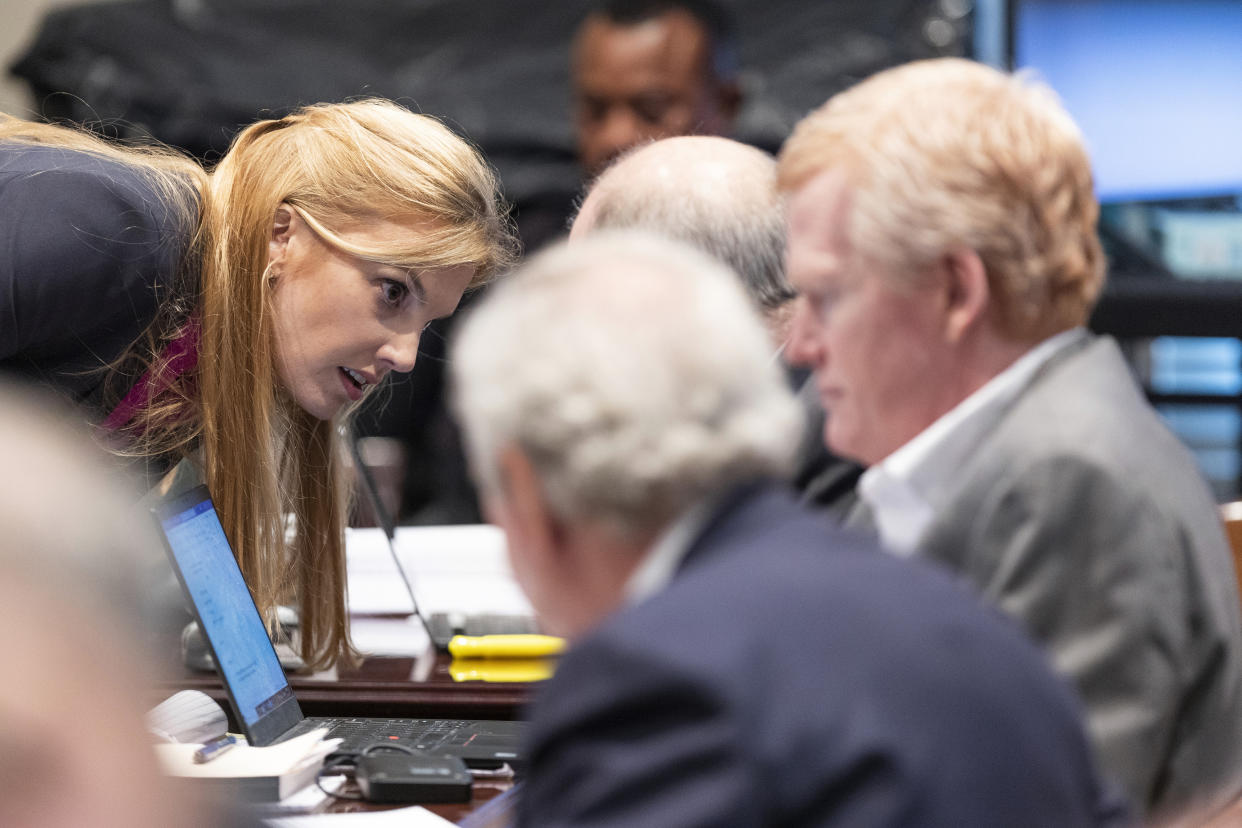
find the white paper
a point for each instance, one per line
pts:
(305, 801)
(414, 817)
(471, 549)
(389, 636)
(375, 584)
(451, 569)
(188, 716)
(460, 569)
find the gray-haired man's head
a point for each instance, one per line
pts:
(606, 388)
(716, 195)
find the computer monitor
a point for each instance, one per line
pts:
(1155, 85)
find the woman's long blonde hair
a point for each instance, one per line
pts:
(264, 457)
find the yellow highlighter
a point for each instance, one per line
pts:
(508, 670)
(505, 646)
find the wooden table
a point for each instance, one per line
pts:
(389, 686)
(384, 686)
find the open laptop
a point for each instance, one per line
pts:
(443, 625)
(260, 695)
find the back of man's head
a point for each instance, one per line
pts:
(633, 374)
(715, 194)
(949, 153)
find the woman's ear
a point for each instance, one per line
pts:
(282, 229)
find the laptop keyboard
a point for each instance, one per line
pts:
(482, 744)
(423, 734)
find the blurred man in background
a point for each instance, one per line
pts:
(640, 70)
(647, 69)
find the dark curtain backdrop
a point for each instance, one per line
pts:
(191, 72)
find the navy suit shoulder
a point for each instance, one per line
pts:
(91, 248)
(792, 674)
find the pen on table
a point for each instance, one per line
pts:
(214, 748)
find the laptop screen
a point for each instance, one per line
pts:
(225, 609)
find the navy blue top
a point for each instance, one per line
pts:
(88, 250)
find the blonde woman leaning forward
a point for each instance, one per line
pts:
(227, 322)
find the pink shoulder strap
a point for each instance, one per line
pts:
(179, 356)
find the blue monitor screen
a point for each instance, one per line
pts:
(226, 610)
(1155, 85)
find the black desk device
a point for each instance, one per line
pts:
(399, 777)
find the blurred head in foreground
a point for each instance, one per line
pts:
(73, 746)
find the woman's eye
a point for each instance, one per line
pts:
(393, 292)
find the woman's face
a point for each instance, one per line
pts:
(342, 323)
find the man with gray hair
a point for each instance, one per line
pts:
(734, 660)
(719, 196)
(715, 194)
(942, 237)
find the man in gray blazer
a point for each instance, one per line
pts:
(942, 237)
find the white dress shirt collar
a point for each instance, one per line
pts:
(899, 490)
(660, 563)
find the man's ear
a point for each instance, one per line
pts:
(282, 229)
(525, 505)
(967, 292)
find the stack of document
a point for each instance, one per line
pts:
(253, 774)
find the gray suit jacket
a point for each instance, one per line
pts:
(1084, 517)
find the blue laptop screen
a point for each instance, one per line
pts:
(227, 612)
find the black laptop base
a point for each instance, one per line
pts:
(485, 745)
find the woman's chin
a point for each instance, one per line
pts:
(321, 408)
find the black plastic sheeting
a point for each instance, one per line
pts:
(191, 72)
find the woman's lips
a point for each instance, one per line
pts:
(352, 389)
